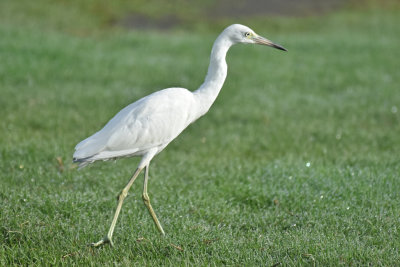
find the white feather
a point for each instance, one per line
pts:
(147, 126)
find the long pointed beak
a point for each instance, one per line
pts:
(263, 41)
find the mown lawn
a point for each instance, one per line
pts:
(297, 162)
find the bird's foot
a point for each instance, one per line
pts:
(105, 240)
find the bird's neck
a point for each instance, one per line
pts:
(216, 74)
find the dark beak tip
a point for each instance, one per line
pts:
(280, 48)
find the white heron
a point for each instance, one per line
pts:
(145, 127)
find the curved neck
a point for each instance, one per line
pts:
(216, 74)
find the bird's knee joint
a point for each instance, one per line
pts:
(146, 198)
(122, 195)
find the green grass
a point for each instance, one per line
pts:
(296, 163)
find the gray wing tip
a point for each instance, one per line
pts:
(82, 162)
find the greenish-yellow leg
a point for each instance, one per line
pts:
(146, 201)
(121, 197)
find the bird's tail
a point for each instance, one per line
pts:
(83, 162)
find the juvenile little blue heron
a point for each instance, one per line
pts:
(147, 126)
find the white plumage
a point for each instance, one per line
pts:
(145, 127)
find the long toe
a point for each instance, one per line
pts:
(105, 240)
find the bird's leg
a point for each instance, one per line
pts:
(146, 201)
(121, 197)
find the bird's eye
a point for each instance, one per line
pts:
(247, 34)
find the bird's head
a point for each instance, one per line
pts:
(238, 33)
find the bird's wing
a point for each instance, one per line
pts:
(152, 121)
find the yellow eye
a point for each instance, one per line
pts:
(247, 34)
